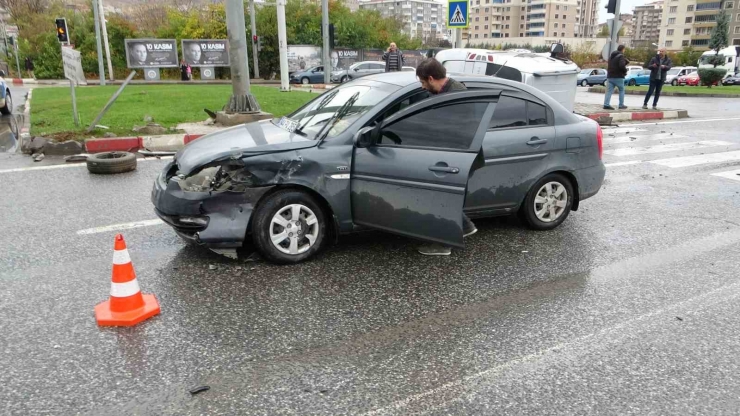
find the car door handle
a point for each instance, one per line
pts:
(445, 169)
(536, 141)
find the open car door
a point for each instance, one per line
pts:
(410, 173)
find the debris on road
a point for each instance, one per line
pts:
(38, 157)
(199, 389)
(82, 157)
(111, 162)
(212, 267)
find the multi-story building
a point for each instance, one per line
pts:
(690, 22)
(646, 24)
(627, 26)
(492, 19)
(421, 18)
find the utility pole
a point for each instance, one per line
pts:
(96, 16)
(255, 54)
(241, 101)
(325, 57)
(283, 46)
(612, 6)
(458, 38)
(105, 40)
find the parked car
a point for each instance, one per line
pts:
(633, 68)
(358, 70)
(592, 76)
(638, 78)
(691, 79)
(380, 153)
(6, 101)
(676, 72)
(313, 75)
(732, 80)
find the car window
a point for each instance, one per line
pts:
(515, 112)
(319, 69)
(400, 105)
(362, 67)
(378, 66)
(506, 72)
(449, 127)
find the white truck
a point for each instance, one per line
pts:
(730, 57)
(554, 76)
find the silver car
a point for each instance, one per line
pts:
(358, 70)
(380, 153)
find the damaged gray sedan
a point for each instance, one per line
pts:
(380, 153)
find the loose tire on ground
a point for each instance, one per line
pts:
(111, 162)
(280, 207)
(528, 211)
(8, 109)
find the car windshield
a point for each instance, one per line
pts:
(585, 71)
(312, 117)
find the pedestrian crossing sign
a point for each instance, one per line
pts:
(457, 14)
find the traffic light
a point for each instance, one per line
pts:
(62, 33)
(331, 34)
(611, 6)
(254, 39)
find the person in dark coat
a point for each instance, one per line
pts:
(615, 74)
(394, 59)
(659, 66)
(30, 67)
(184, 71)
(433, 78)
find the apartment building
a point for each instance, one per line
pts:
(646, 24)
(421, 18)
(690, 22)
(493, 19)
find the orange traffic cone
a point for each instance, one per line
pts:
(126, 306)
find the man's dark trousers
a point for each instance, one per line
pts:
(656, 86)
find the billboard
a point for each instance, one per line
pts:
(206, 52)
(342, 59)
(303, 57)
(151, 53)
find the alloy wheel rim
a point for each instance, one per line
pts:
(294, 229)
(550, 202)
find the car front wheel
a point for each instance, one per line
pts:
(305, 81)
(674, 82)
(548, 203)
(8, 109)
(345, 79)
(584, 83)
(632, 83)
(289, 227)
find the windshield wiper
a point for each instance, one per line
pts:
(343, 111)
(323, 103)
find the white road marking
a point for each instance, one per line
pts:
(72, 165)
(629, 138)
(682, 162)
(621, 130)
(612, 165)
(733, 174)
(702, 120)
(631, 151)
(119, 227)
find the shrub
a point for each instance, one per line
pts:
(709, 76)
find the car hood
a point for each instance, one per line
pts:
(582, 76)
(242, 140)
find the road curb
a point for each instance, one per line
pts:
(640, 115)
(163, 143)
(602, 90)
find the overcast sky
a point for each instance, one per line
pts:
(625, 6)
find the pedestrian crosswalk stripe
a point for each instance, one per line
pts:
(685, 161)
(631, 151)
(458, 17)
(733, 174)
(622, 130)
(613, 165)
(632, 138)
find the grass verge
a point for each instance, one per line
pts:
(729, 89)
(168, 105)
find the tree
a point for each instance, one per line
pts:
(720, 36)
(687, 57)
(603, 32)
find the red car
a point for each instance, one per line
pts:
(691, 79)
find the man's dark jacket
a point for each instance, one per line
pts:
(617, 65)
(658, 73)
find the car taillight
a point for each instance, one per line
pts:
(600, 140)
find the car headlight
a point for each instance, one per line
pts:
(227, 177)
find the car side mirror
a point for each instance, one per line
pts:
(364, 136)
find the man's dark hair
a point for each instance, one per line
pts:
(431, 67)
(620, 48)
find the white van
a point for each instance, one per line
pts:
(730, 57)
(555, 77)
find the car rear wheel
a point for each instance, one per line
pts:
(632, 83)
(289, 227)
(548, 203)
(584, 83)
(305, 81)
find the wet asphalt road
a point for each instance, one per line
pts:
(630, 307)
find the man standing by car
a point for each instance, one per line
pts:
(615, 78)
(433, 77)
(393, 58)
(659, 66)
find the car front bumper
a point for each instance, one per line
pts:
(226, 214)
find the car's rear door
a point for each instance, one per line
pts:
(413, 180)
(318, 75)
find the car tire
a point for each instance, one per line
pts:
(344, 79)
(605, 82)
(111, 162)
(632, 83)
(539, 197)
(8, 109)
(674, 82)
(267, 227)
(305, 81)
(584, 83)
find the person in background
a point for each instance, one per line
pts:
(190, 73)
(183, 70)
(615, 74)
(659, 66)
(433, 78)
(393, 58)
(30, 67)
